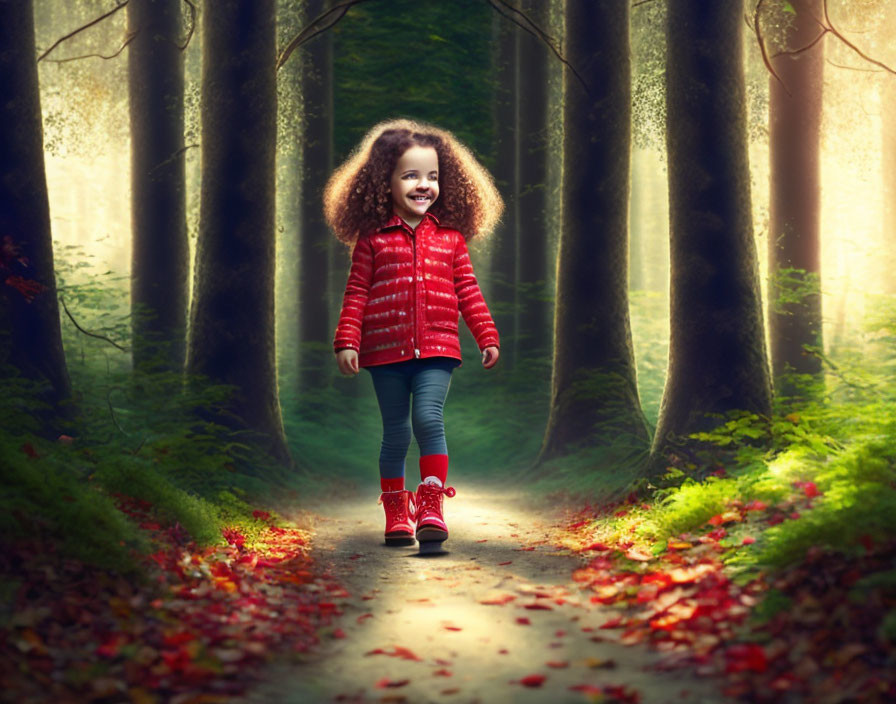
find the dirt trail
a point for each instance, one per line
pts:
(468, 651)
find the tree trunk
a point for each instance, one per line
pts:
(315, 335)
(717, 357)
(30, 335)
(533, 328)
(232, 317)
(794, 252)
(503, 289)
(594, 396)
(160, 257)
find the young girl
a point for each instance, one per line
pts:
(407, 201)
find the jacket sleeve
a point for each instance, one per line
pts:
(360, 276)
(469, 298)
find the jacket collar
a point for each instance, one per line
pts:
(396, 221)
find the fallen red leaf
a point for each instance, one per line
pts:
(746, 656)
(523, 621)
(533, 680)
(498, 600)
(386, 682)
(557, 664)
(599, 547)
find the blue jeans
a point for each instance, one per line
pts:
(428, 381)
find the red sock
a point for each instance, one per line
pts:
(434, 466)
(392, 484)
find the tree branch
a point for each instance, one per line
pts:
(128, 40)
(827, 27)
(538, 33)
(309, 32)
(856, 68)
(89, 334)
(833, 30)
(170, 158)
(796, 52)
(81, 29)
(192, 25)
(762, 48)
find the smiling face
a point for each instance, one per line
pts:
(415, 183)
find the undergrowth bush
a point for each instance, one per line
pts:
(841, 438)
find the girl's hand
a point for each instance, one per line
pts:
(490, 357)
(347, 360)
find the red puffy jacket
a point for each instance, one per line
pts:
(403, 294)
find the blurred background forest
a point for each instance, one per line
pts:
(479, 70)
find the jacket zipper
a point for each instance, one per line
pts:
(414, 286)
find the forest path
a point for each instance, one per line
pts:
(466, 651)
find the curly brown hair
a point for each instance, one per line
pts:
(358, 196)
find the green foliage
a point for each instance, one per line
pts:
(887, 628)
(774, 602)
(47, 497)
(793, 287)
(145, 435)
(843, 440)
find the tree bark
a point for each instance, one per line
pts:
(232, 317)
(315, 334)
(794, 247)
(594, 397)
(160, 258)
(717, 355)
(30, 334)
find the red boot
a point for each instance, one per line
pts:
(400, 508)
(431, 526)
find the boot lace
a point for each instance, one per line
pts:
(429, 498)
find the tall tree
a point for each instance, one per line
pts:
(794, 247)
(315, 334)
(502, 289)
(160, 259)
(232, 317)
(594, 396)
(533, 331)
(30, 336)
(717, 355)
